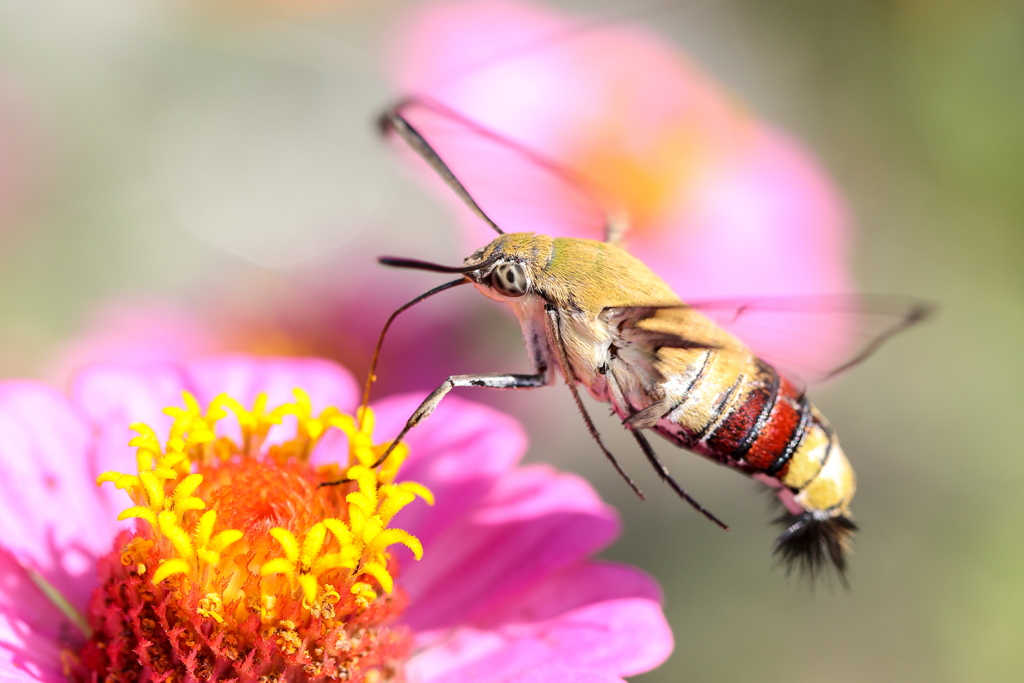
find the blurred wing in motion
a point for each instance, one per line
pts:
(807, 338)
(509, 186)
(815, 338)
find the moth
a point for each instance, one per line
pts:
(594, 314)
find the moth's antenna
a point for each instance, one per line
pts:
(372, 374)
(392, 120)
(416, 264)
(616, 216)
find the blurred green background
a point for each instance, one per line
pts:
(219, 156)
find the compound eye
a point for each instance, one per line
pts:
(509, 279)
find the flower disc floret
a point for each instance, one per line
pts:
(242, 564)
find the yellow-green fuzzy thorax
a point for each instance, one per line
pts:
(584, 274)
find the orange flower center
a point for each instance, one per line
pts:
(242, 565)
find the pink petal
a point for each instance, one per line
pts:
(136, 332)
(116, 395)
(573, 588)
(417, 63)
(16, 668)
(243, 377)
(623, 637)
(113, 396)
(12, 672)
(534, 523)
(32, 630)
(52, 517)
(458, 453)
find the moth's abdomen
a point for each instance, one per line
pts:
(764, 428)
(745, 415)
(753, 419)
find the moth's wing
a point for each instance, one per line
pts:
(641, 332)
(808, 338)
(658, 327)
(514, 188)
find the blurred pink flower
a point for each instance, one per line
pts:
(21, 149)
(132, 331)
(338, 320)
(722, 204)
(505, 590)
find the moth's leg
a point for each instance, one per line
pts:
(651, 415)
(490, 381)
(662, 471)
(616, 225)
(570, 379)
(644, 418)
(544, 375)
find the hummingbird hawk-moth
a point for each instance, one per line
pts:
(600, 318)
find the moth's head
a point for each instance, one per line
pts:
(510, 266)
(507, 269)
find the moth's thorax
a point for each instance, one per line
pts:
(522, 247)
(580, 278)
(577, 274)
(589, 276)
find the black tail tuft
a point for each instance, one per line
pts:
(810, 545)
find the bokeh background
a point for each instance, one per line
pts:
(204, 175)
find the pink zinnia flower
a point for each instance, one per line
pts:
(236, 563)
(722, 204)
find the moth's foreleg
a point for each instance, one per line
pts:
(554, 321)
(490, 381)
(663, 472)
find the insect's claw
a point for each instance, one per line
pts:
(382, 458)
(663, 472)
(334, 483)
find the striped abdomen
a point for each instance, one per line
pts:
(747, 416)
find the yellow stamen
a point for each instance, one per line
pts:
(170, 568)
(340, 549)
(210, 607)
